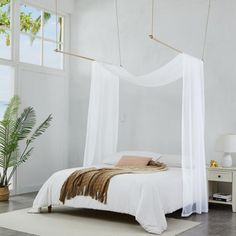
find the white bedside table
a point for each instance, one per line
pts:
(219, 176)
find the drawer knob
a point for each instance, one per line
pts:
(219, 176)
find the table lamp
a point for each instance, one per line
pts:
(229, 146)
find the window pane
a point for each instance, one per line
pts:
(30, 20)
(60, 27)
(5, 12)
(49, 30)
(5, 48)
(52, 58)
(5, 45)
(50, 27)
(30, 49)
(6, 87)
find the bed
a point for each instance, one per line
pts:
(148, 197)
(154, 195)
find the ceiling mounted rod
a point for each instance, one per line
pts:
(206, 29)
(84, 57)
(151, 36)
(118, 30)
(165, 44)
(74, 55)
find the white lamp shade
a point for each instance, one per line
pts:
(229, 143)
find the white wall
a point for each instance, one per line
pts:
(47, 91)
(153, 117)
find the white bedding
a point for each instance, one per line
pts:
(148, 197)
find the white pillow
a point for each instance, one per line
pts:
(171, 160)
(115, 157)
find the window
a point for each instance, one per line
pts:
(6, 92)
(5, 29)
(41, 33)
(6, 87)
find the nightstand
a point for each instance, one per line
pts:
(221, 178)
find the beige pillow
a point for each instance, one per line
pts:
(133, 161)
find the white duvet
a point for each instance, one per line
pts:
(148, 197)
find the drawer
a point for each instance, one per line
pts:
(220, 176)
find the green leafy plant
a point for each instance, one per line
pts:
(13, 130)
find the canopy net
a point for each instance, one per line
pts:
(103, 120)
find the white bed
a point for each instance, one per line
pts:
(148, 197)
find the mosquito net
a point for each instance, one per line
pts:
(103, 115)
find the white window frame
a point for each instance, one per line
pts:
(17, 65)
(11, 32)
(15, 44)
(5, 61)
(42, 37)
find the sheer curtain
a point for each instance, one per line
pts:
(103, 116)
(195, 196)
(102, 128)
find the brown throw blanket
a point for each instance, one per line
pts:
(94, 182)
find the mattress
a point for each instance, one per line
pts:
(148, 197)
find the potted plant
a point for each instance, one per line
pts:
(13, 131)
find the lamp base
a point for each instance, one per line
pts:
(227, 160)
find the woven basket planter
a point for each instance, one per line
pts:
(4, 194)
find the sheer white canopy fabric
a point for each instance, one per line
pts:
(102, 128)
(103, 116)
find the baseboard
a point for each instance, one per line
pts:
(28, 189)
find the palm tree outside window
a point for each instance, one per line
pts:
(37, 35)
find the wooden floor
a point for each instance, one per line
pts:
(219, 222)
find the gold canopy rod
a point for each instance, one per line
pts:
(74, 55)
(151, 36)
(84, 57)
(165, 44)
(118, 30)
(206, 29)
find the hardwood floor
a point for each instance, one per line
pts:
(220, 221)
